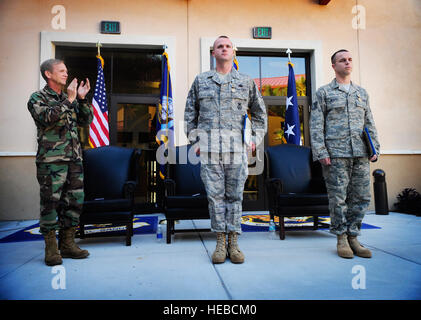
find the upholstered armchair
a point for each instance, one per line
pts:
(110, 180)
(185, 194)
(294, 184)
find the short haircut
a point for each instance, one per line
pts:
(224, 37)
(332, 58)
(47, 65)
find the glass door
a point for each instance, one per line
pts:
(133, 125)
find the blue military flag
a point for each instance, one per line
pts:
(235, 63)
(165, 114)
(292, 130)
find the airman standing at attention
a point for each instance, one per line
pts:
(216, 106)
(338, 117)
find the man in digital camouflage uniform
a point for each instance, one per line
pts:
(216, 106)
(338, 117)
(59, 158)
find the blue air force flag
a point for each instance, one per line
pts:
(292, 130)
(165, 114)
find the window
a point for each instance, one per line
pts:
(270, 73)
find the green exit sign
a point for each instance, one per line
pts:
(262, 32)
(112, 27)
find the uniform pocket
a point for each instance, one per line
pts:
(239, 100)
(206, 95)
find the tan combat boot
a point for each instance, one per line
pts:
(220, 253)
(357, 248)
(344, 250)
(68, 247)
(52, 256)
(234, 252)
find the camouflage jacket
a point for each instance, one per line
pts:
(217, 109)
(337, 121)
(57, 120)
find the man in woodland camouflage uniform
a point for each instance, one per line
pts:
(338, 117)
(216, 106)
(59, 158)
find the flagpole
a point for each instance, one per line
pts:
(289, 54)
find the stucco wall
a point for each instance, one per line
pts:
(386, 62)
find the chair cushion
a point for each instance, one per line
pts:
(186, 174)
(303, 211)
(302, 199)
(106, 169)
(105, 217)
(292, 164)
(107, 205)
(199, 201)
(187, 213)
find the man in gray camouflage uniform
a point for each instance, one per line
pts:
(338, 117)
(215, 110)
(59, 158)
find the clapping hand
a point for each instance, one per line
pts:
(71, 90)
(83, 89)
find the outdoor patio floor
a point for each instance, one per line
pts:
(304, 266)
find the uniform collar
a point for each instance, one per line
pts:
(335, 85)
(51, 92)
(214, 75)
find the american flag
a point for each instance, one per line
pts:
(98, 130)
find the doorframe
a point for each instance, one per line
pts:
(49, 40)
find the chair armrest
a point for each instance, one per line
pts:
(274, 188)
(169, 186)
(129, 189)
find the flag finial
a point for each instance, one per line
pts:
(99, 45)
(288, 52)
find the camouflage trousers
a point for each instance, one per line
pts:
(224, 175)
(61, 194)
(348, 188)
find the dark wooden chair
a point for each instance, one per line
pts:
(185, 194)
(110, 180)
(295, 185)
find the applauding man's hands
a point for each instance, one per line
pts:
(81, 92)
(72, 90)
(83, 89)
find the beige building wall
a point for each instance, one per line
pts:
(386, 51)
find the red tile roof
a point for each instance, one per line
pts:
(277, 82)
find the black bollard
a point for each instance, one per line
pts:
(380, 192)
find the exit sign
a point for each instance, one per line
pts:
(112, 27)
(262, 32)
